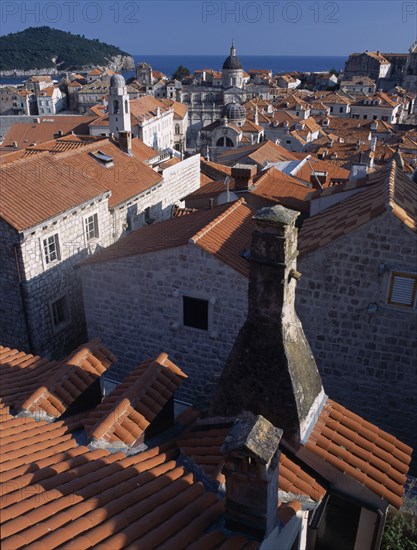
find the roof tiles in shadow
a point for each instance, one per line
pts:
(125, 414)
(36, 386)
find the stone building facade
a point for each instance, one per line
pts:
(136, 304)
(365, 346)
(40, 289)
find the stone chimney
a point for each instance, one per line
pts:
(251, 469)
(271, 370)
(125, 142)
(243, 175)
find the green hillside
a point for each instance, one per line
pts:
(43, 47)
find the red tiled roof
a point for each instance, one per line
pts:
(40, 387)
(267, 151)
(37, 188)
(24, 134)
(202, 443)
(224, 231)
(282, 188)
(56, 493)
(125, 414)
(390, 191)
(335, 173)
(356, 447)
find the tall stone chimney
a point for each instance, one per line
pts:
(251, 470)
(125, 142)
(243, 175)
(271, 370)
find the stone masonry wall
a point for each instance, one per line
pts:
(46, 283)
(135, 305)
(179, 181)
(12, 318)
(366, 350)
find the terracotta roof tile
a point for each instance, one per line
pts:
(202, 443)
(40, 387)
(224, 231)
(369, 455)
(28, 201)
(24, 134)
(125, 414)
(282, 188)
(390, 190)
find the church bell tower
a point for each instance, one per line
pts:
(119, 108)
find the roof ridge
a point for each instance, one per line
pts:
(24, 159)
(389, 188)
(85, 149)
(216, 221)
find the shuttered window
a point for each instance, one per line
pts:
(402, 289)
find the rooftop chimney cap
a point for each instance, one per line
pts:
(275, 215)
(253, 434)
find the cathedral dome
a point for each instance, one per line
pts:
(117, 81)
(232, 62)
(234, 112)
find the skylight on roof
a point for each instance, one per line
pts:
(102, 157)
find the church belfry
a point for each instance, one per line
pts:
(232, 70)
(119, 108)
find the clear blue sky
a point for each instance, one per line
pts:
(303, 27)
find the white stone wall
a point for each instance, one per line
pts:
(359, 111)
(178, 181)
(366, 350)
(135, 303)
(44, 283)
(158, 131)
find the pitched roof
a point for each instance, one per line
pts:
(260, 153)
(41, 186)
(56, 492)
(124, 415)
(374, 458)
(25, 134)
(390, 190)
(335, 173)
(203, 441)
(40, 387)
(144, 108)
(224, 231)
(35, 189)
(283, 189)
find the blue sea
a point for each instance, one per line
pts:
(167, 64)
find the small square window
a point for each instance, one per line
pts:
(60, 313)
(195, 312)
(51, 249)
(402, 289)
(91, 227)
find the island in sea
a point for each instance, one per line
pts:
(43, 50)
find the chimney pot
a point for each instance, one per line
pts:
(251, 471)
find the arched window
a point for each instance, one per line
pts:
(177, 129)
(116, 106)
(126, 105)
